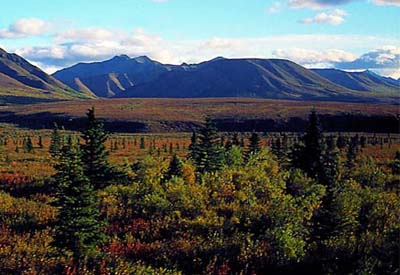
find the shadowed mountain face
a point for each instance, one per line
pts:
(360, 81)
(125, 77)
(19, 69)
(111, 77)
(19, 78)
(262, 78)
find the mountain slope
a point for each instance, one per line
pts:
(111, 77)
(262, 78)
(360, 81)
(22, 81)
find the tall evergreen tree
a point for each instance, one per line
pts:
(351, 155)
(277, 147)
(194, 147)
(28, 145)
(40, 142)
(175, 168)
(55, 142)
(142, 143)
(396, 164)
(235, 139)
(211, 154)
(94, 153)
(78, 226)
(308, 156)
(341, 142)
(331, 166)
(254, 145)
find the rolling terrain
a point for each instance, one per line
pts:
(22, 82)
(112, 77)
(366, 81)
(231, 114)
(141, 77)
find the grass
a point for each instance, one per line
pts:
(159, 114)
(22, 166)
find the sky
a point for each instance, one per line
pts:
(345, 34)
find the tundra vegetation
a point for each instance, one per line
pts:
(201, 203)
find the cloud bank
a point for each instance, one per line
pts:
(335, 17)
(25, 27)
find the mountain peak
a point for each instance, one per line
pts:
(121, 57)
(217, 58)
(142, 59)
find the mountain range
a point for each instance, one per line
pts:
(22, 82)
(125, 77)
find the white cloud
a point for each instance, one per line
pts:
(25, 27)
(380, 58)
(335, 17)
(384, 60)
(324, 4)
(315, 4)
(387, 2)
(95, 44)
(86, 34)
(314, 58)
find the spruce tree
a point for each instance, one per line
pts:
(341, 142)
(235, 139)
(330, 168)
(40, 142)
(308, 156)
(142, 143)
(194, 147)
(55, 142)
(28, 145)
(77, 228)
(211, 154)
(94, 153)
(175, 168)
(277, 147)
(351, 155)
(396, 164)
(254, 145)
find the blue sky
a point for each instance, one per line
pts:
(315, 33)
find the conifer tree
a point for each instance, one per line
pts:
(396, 164)
(254, 145)
(351, 155)
(175, 168)
(142, 143)
(40, 142)
(94, 153)
(341, 142)
(308, 156)
(55, 142)
(363, 141)
(194, 147)
(28, 145)
(211, 155)
(277, 147)
(330, 173)
(285, 143)
(77, 228)
(235, 139)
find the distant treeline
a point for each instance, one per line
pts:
(330, 123)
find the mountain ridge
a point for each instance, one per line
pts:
(22, 82)
(122, 76)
